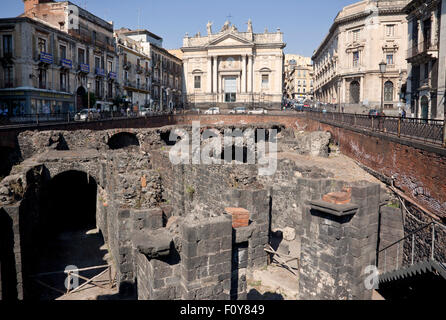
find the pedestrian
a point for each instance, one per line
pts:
(403, 113)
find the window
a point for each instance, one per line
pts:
(81, 55)
(355, 58)
(355, 35)
(9, 83)
(93, 36)
(42, 78)
(426, 70)
(305, 82)
(110, 66)
(390, 30)
(63, 82)
(63, 52)
(138, 83)
(125, 58)
(42, 45)
(126, 75)
(389, 59)
(265, 81)
(388, 91)
(7, 45)
(97, 62)
(197, 82)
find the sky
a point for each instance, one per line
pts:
(304, 23)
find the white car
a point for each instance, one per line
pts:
(144, 112)
(238, 110)
(213, 110)
(87, 114)
(258, 111)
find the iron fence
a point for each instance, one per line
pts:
(427, 130)
(423, 244)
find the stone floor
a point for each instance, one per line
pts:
(83, 248)
(272, 283)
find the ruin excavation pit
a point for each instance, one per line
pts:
(188, 231)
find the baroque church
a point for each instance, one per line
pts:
(233, 67)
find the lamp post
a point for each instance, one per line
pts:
(382, 69)
(339, 95)
(88, 100)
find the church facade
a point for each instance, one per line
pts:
(231, 67)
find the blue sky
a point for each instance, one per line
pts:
(303, 22)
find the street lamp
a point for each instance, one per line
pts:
(382, 69)
(339, 94)
(88, 99)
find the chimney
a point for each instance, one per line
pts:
(29, 4)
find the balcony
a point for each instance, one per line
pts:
(422, 52)
(112, 75)
(99, 72)
(84, 68)
(139, 69)
(66, 64)
(46, 58)
(127, 65)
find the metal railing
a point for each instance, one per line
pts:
(427, 130)
(424, 244)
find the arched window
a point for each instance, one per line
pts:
(388, 91)
(354, 92)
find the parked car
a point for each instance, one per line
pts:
(144, 112)
(258, 111)
(213, 110)
(298, 107)
(376, 113)
(238, 110)
(87, 114)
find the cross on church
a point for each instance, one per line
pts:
(229, 17)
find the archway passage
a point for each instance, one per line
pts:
(354, 92)
(8, 158)
(68, 232)
(8, 277)
(123, 140)
(80, 94)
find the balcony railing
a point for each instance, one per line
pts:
(422, 47)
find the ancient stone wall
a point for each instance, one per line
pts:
(417, 169)
(336, 249)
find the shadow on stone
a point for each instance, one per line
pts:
(253, 294)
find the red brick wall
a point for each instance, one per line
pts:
(419, 171)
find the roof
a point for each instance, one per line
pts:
(141, 31)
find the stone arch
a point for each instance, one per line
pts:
(91, 169)
(122, 140)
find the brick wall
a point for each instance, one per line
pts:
(419, 170)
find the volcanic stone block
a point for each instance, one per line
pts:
(153, 244)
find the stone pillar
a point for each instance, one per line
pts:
(420, 34)
(209, 75)
(338, 244)
(361, 89)
(250, 72)
(243, 74)
(214, 75)
(434, 27)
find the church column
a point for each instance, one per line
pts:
(361, 89)
(244, 74)
(434, 27)
(209, 75)
(214, 74)
(250, 72)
